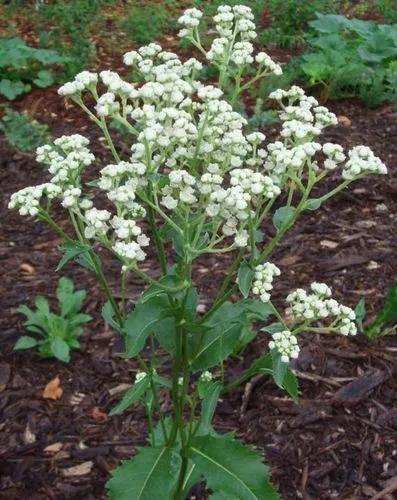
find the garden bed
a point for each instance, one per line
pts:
(338, 442)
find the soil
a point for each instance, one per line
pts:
(338, 442)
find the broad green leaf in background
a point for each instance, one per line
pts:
(44, 78)
(150, 475)
(12, 89)
(232, 468)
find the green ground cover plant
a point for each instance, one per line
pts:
(290, 20)
(22, 67)
(55, 335)
(23, 133)
(196, 184)
(145, 21)
(351, 57)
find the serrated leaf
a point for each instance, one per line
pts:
(230, 467)
(244, 278)
(25, 342)
(283, 216)
(152, 474)
(131, 396)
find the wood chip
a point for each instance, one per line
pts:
(359, 389)
(119, 389)
(27, 268)
(28, 436)
(78, 470)
(344, 121)
(53, 448)
(53, 389)
(328, 244)
(5, 372)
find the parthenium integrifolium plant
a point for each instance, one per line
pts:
(203, 185)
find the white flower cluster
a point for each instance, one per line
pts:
(27, 200)
(302, 117)
(189, 145)
(302, 121)
(286, 344)
(334, 154)
(140, 376)
(82, 81)
(206, 376)
(263, 280)
(362, 161)
(65, 161)
(235, 28)
(318, 305)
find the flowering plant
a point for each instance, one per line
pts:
(196, 181)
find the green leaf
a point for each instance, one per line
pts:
(25, 342)
(217, 345)
(164, 331)
(12, 89)
(290, 384)
(244, 278)
(108, 315)
(279, 368)
(141, 321)
(208, 406)
(230, 467)
(60, 349)
(313, 204)
(221, 495)
(360, 312)
(170, 280)
(150, 475)
(131, 396)
(388, 313)
(73, 250)
(283, 217)
(44, 79)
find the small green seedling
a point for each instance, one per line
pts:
(56, 334)
(385, 322)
